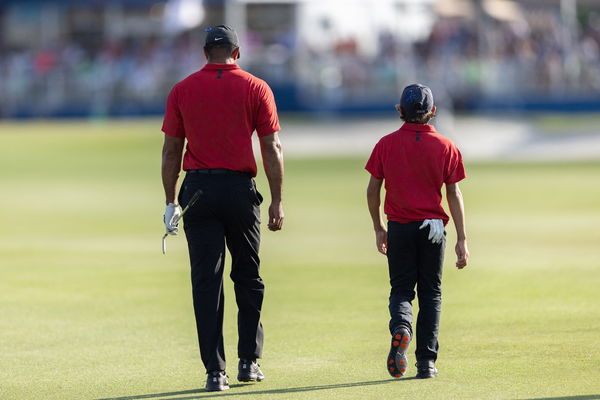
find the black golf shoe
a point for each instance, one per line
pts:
(249, 371)
(216, 381)
(426, 369)
(397, 362)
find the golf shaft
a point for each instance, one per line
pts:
(192, 201)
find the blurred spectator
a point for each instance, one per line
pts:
(504, 58)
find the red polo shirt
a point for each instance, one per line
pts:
(415, 161)
(217, 109)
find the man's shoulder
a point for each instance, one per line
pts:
(253, 79)
(188, 80)
(240, 73)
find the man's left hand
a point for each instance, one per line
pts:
(171, 218)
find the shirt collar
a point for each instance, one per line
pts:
(407, 126)
(214, 66)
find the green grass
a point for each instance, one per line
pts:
(90, 308)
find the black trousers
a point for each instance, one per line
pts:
(414, 261)
(226, 214)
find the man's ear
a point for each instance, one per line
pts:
(236, 54)
(205, 53)
(433, 109)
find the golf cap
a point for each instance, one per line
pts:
(416, 100)
(221, 34)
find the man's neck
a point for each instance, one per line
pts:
(221, 61)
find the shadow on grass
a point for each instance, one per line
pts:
(201, 394)
(581, 397)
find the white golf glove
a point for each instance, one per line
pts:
(171, 218)
(436, 229)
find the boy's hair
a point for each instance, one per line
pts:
(419, 119)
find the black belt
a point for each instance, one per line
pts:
(217, 171)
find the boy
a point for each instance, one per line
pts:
(415, 162)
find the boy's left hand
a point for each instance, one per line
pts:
(381, 240)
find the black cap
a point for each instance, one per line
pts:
(416, 100)
(221, 34)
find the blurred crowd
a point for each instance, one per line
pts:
(132, 75)
(467, 60)
(515, 58)
(464, 58)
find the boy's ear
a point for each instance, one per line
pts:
(398, 108)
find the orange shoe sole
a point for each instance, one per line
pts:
(397, 362)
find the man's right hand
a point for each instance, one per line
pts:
(275, 216)
(462, 254)
(171, 218)
(270, 146)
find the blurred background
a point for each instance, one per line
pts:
(114, 58)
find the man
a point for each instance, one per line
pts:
(217, 109)
(415, 162)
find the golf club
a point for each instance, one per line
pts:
(192, 201)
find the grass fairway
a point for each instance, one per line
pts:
(91, 309)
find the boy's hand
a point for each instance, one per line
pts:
(462, 254)
(381, 240)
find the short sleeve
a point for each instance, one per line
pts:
(267, 121)
(173, 121)
(375, 164)
(455, 170)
